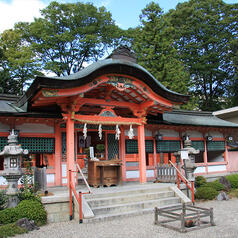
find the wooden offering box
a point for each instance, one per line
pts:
(107, 172)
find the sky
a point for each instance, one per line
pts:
(124, 12)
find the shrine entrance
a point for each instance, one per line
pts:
(103, 106)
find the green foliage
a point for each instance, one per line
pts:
(3, 199)
(234, 193)
(9, 215)
(206, 192)
(216, 185)
(153, 47)
(200, 181)
(68, 35)
(203, 32)
(30, 209)
(28, 189)
(233, 179)
(11, 230)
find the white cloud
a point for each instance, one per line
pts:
(18, 10)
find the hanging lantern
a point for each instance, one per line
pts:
(85, 131)
(118, 132)
(131, 133)
(100, 131)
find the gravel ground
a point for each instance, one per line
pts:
(225, 214)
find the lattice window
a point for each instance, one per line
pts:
(132, 146)
(112, 146)
(38, 144)
(215, 145)
(198, 145)
(63, 143)
(167, 146)
(3, 142)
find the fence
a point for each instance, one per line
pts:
(166, 173)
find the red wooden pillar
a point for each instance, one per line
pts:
(205, 156)
(141, 153)
(226, 156)
(58, 178)
(70, 147)
(122, 153)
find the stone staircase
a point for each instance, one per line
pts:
(114, 204)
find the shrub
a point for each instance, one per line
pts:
(8, 215)
(33, 210)
(234, 193)
(233, 179)
(206, 192)
(28, 195)
(11, 230)
(216, 185)
(200, 181)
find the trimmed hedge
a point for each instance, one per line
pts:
(33, 210)
(200, 181)
(206, 192)
(233, 179)
(11, 230)
(216, 185)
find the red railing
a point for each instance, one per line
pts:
(190, 185)
(77, 196)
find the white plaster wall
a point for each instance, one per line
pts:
(64, 180)
(132, 174)
(216, 168)
(136, 173)
(50, 178)
(215, 134)
(64, 170)
(35, 128)
(169, 133)
(149, 173)
(194, 134)
(148, 132)
(200, 170)
(4, 127)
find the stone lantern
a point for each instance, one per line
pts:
(188, 163)
(12, 167)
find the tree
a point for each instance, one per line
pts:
(18, 65)
(68, 36)
(153, 47)
(203, 32)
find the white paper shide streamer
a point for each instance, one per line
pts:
(100, 131)
(85, 131)
(118, 132)
(131, 133)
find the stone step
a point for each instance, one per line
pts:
(108, 217)
(125, 192)
(134, 206)
(96, 202)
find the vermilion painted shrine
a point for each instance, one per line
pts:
(118, 104)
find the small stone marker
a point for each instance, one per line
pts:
(26, 224)
(222, 196)
(225, 182)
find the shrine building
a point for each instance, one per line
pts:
(119, 109)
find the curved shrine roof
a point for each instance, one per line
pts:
(107, 66)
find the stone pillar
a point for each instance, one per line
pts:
(70, 148)
(141, 153)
